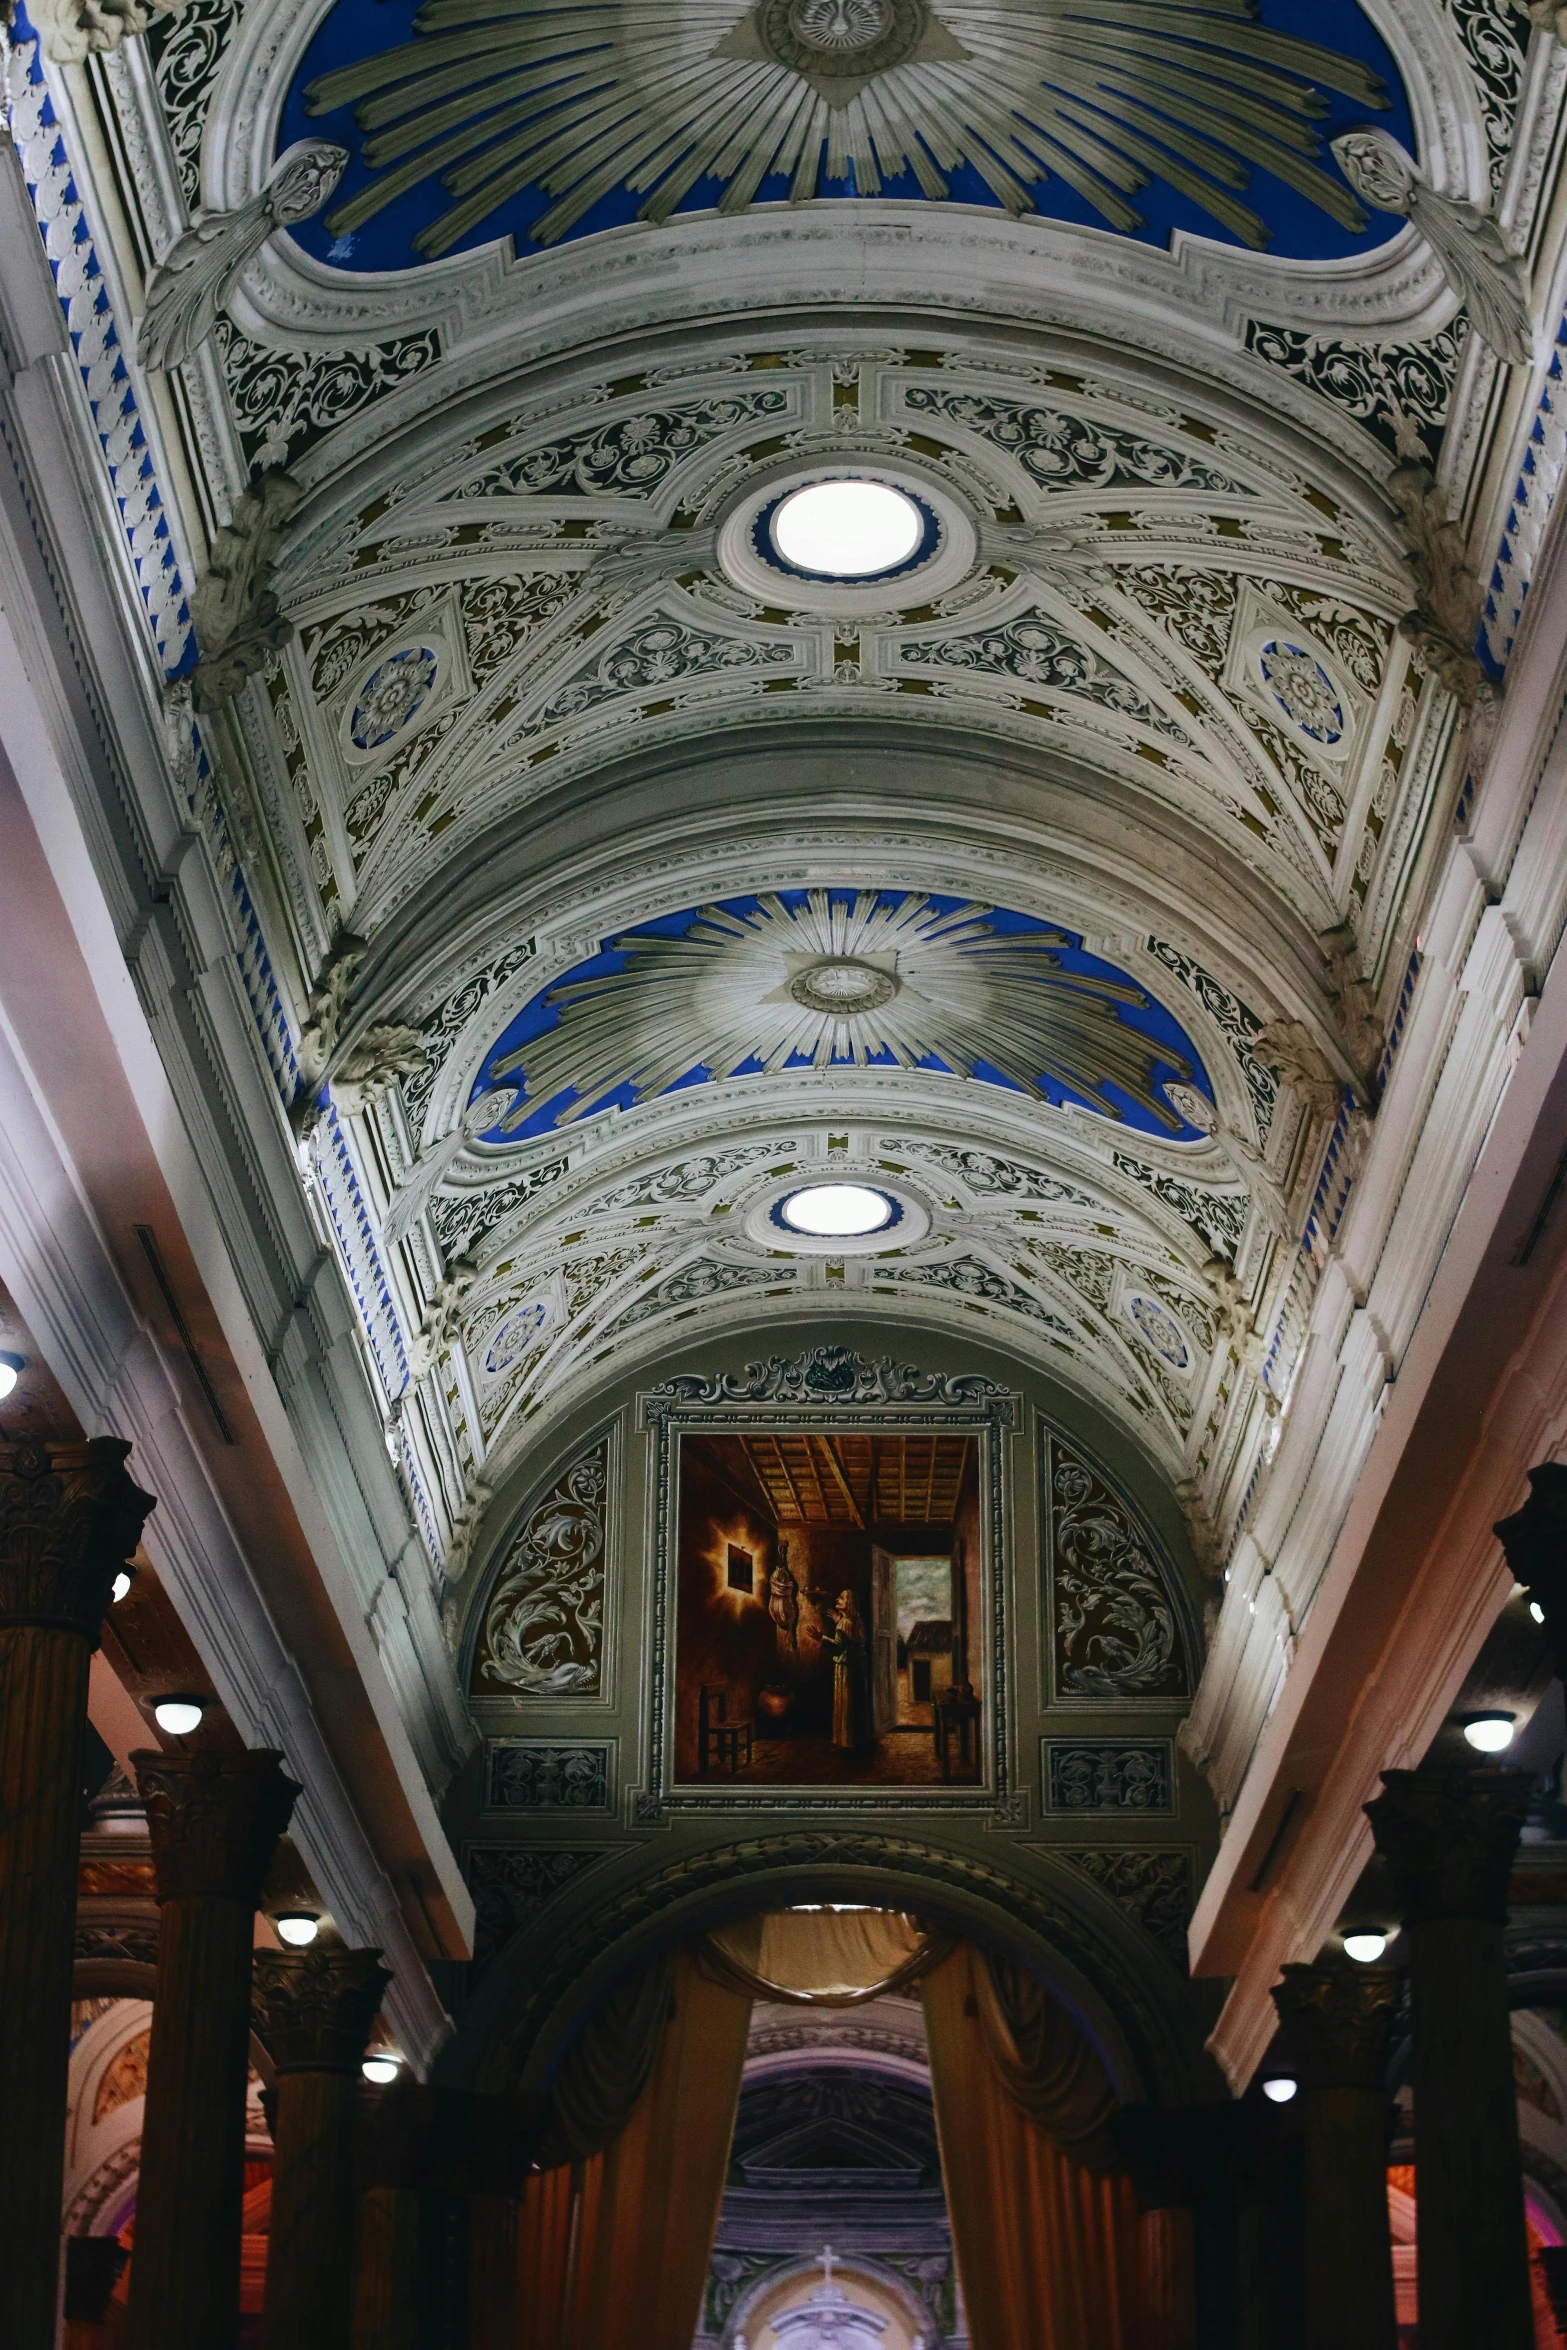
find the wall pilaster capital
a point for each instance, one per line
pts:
(315, 2008)
(1338, 2024)
(1448, 1836)
(1535, 1541)
(70, 1517)
(214, 1820)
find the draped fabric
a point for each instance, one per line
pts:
(607, 2069)
(821, 1957)
(1047, 2251)
(1049, 2067)
(613, 2247)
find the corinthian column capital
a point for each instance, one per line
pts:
(70, 1518)
(1448, 1836)
(1338, 2024)
(315, 2007)
(1535, 1541)
(213, 1820)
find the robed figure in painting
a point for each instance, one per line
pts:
(851, 1689)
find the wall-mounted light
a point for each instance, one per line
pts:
(1365, 1948)
(1280, 2089)
(297, 1927)
(120, 1586)
(179, 1715)
(1490, 1733)
(1536, 1611)
(11, 1369)
(382, 2068)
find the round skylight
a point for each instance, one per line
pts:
(847, 529)
(836, 1211)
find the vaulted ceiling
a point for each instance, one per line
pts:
(544, 784)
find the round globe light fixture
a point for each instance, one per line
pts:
(297, 1927)
(178, 1715)
(847, 529)
(1490, 1733)
(382, 2068)
(11, 1369)
(836, 1211)
(1280, 2090)
(1365, 1949)
(1536, 1611)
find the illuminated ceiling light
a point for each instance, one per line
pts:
(297, 1927)
(847, 529)
(178, 1715)
(1281, 2089)
(11, 1369)
(1365, 1948)
(382, 2068)
(836, 1211)
(1536, 1611)
(120, 1586)
(1490, 1733)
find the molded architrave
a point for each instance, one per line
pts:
(1449, 1322)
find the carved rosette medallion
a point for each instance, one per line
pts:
(1448, 1836)
(213, 1820)
(70, 1517)
(315, 2008)
(1338, 2024)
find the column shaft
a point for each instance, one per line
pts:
(386, 2287)
(69, 1518)
(1337, 2022)
(1473, 2245)
(310, 2273)
(214, 1820)
(1448, 1836)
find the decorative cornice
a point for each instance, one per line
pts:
(70, 1518)
(213, 1820)
(315, 2008)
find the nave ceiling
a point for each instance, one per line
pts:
(498, 667)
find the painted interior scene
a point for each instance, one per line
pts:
(830, 1623)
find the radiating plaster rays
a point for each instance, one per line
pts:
(578, 99)
(949, 986)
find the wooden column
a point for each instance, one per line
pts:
(317, 2008)
(1338, 2022)
(70, 1517)
(1448, 1836)
(214, 1820)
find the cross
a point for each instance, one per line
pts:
(827, 2263)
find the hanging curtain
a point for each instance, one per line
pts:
(613, 2245)
(822, 1957)
(1047, 2249)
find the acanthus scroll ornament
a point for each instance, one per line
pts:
(1491, 282)
(191, 283)
(829, 1374)
(70, 31)
(1445, 620)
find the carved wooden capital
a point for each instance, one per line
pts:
(70, 1517)
(1535, 1540)
(1338, 2023)
(1448, 1836)
(314, 2008)
(213, 1820)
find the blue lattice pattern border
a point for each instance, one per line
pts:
(1523, 533)
(95, 338)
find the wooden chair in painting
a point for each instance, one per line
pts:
(722, 1742)
(957, 1725)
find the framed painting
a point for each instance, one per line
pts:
(827, 1588)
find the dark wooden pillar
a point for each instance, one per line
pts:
(92, 2270)
(1337, 2023)
(214, 1820)
(1448, 1836)
(70, 1517)
(317, 2008)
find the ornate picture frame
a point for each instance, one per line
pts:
(959, 1739)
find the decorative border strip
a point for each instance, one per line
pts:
(95, 337)
(1534, 494)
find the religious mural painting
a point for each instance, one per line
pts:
(828, 1583)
